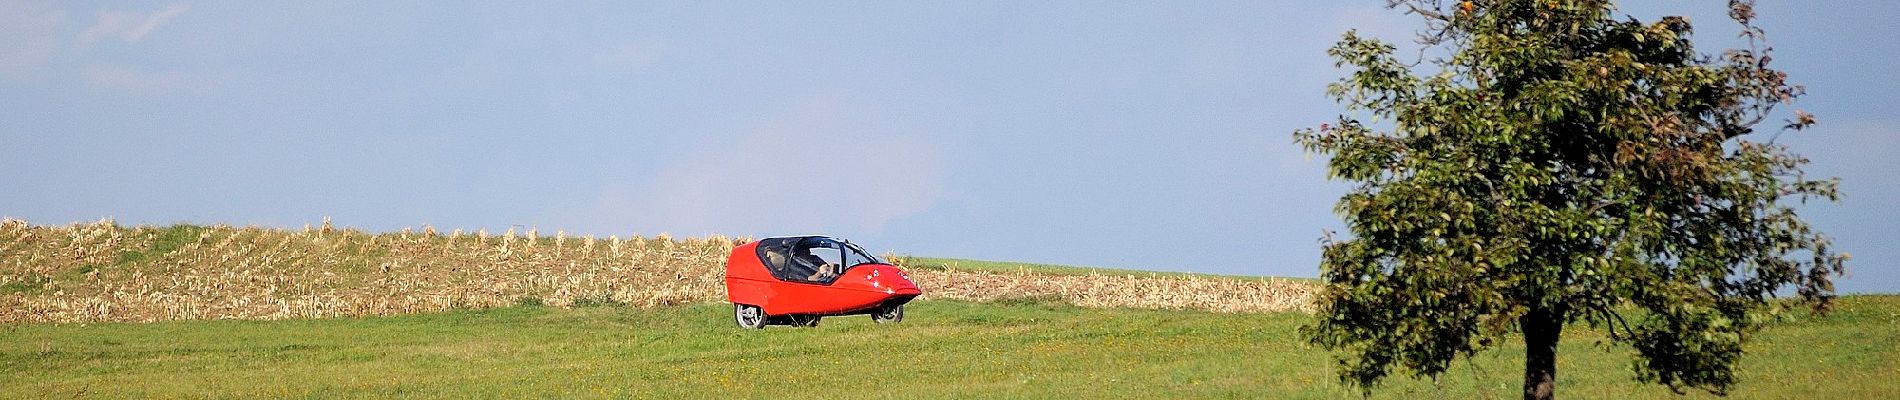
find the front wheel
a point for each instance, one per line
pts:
(888, 315)
(748, 316)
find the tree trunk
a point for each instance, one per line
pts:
(1542, 327)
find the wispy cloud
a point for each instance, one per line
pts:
(130, 27)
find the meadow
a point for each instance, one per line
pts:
(103, 311)
(1013, 348)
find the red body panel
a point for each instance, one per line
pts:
(860, 288)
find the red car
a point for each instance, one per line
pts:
(796, 280)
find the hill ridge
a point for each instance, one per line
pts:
(100, 271)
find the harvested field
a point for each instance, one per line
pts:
(104, 272)
(1211, 294)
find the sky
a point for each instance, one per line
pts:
(1140, 135)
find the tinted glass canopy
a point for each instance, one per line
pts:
(811, 259)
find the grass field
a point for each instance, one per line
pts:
(944, 349)
(103, 311)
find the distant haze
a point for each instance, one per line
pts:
(1128, 135)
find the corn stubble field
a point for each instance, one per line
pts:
(100, 271)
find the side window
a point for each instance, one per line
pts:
(816, 260)
(776, 254)
(820, 254)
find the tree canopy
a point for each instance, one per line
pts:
(1542, 163)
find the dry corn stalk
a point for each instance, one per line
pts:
(103, 272)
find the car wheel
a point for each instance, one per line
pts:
(888, 315)
(748, 316)
(808, 321)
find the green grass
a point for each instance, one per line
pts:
(165, 240)
(944, 349)
(1047, 269)
(27, 285)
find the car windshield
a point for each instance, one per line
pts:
(855, 255)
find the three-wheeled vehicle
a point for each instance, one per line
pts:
(795, 280)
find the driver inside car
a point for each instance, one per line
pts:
(825, 269)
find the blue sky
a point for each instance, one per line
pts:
(1134, 135)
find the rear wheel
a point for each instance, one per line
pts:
(888, 315)
(808, 321)
(748, 316)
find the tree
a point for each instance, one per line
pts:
(1554, 162)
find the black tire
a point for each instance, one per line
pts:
(807, 321)
(749, 316)
(888, 315)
